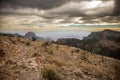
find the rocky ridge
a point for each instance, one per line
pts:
(105, 43)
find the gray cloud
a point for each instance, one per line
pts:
(80, 9)
(117, 7)
(41, 4)
(68, 10)
(70, 7)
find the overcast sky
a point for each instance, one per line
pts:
(47, 13)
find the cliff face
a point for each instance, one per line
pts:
(105, 43)
(24, 59)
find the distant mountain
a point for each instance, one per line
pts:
(105, 43)
(28, 35)
(106, 34)
(32, 36)
(11, 35)
(17, 35)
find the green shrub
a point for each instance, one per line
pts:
(102, 59)
(57, 47)
(78, 74)
(12, 40)
(50, 74)
(49, 51)
(2, 76)
(84, 58)
(103, 76)
(36, 54)
(2, 53)
(28, 43)
(116, 67)
(75, 51)
(33, 39)
(45, 44)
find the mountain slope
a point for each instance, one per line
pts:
(105, 43)
(23, 59)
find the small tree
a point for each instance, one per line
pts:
(33, 39)
(102, 59)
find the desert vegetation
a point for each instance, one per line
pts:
(39, 60)
(50, 74)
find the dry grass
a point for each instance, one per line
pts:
(65, 62)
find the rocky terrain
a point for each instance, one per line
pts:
(24, 59)
(105, 43)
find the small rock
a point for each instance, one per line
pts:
(10, 62)
(36, 70)
(19, 63)
(67, 69)
(33, 63)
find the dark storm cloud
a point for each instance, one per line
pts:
(49, 4)
(85, 9)
(64, 9)
(41, 4)
(117, 7)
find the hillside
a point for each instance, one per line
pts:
(23, 59)
(105, 43)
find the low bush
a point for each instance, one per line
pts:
(2, 75)
(49, 51)
(28, 43)
(50, 74)
(33, 39)
(45, 44)
(36, 54)
(75, 51)
(2, 53)
(84, 58)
